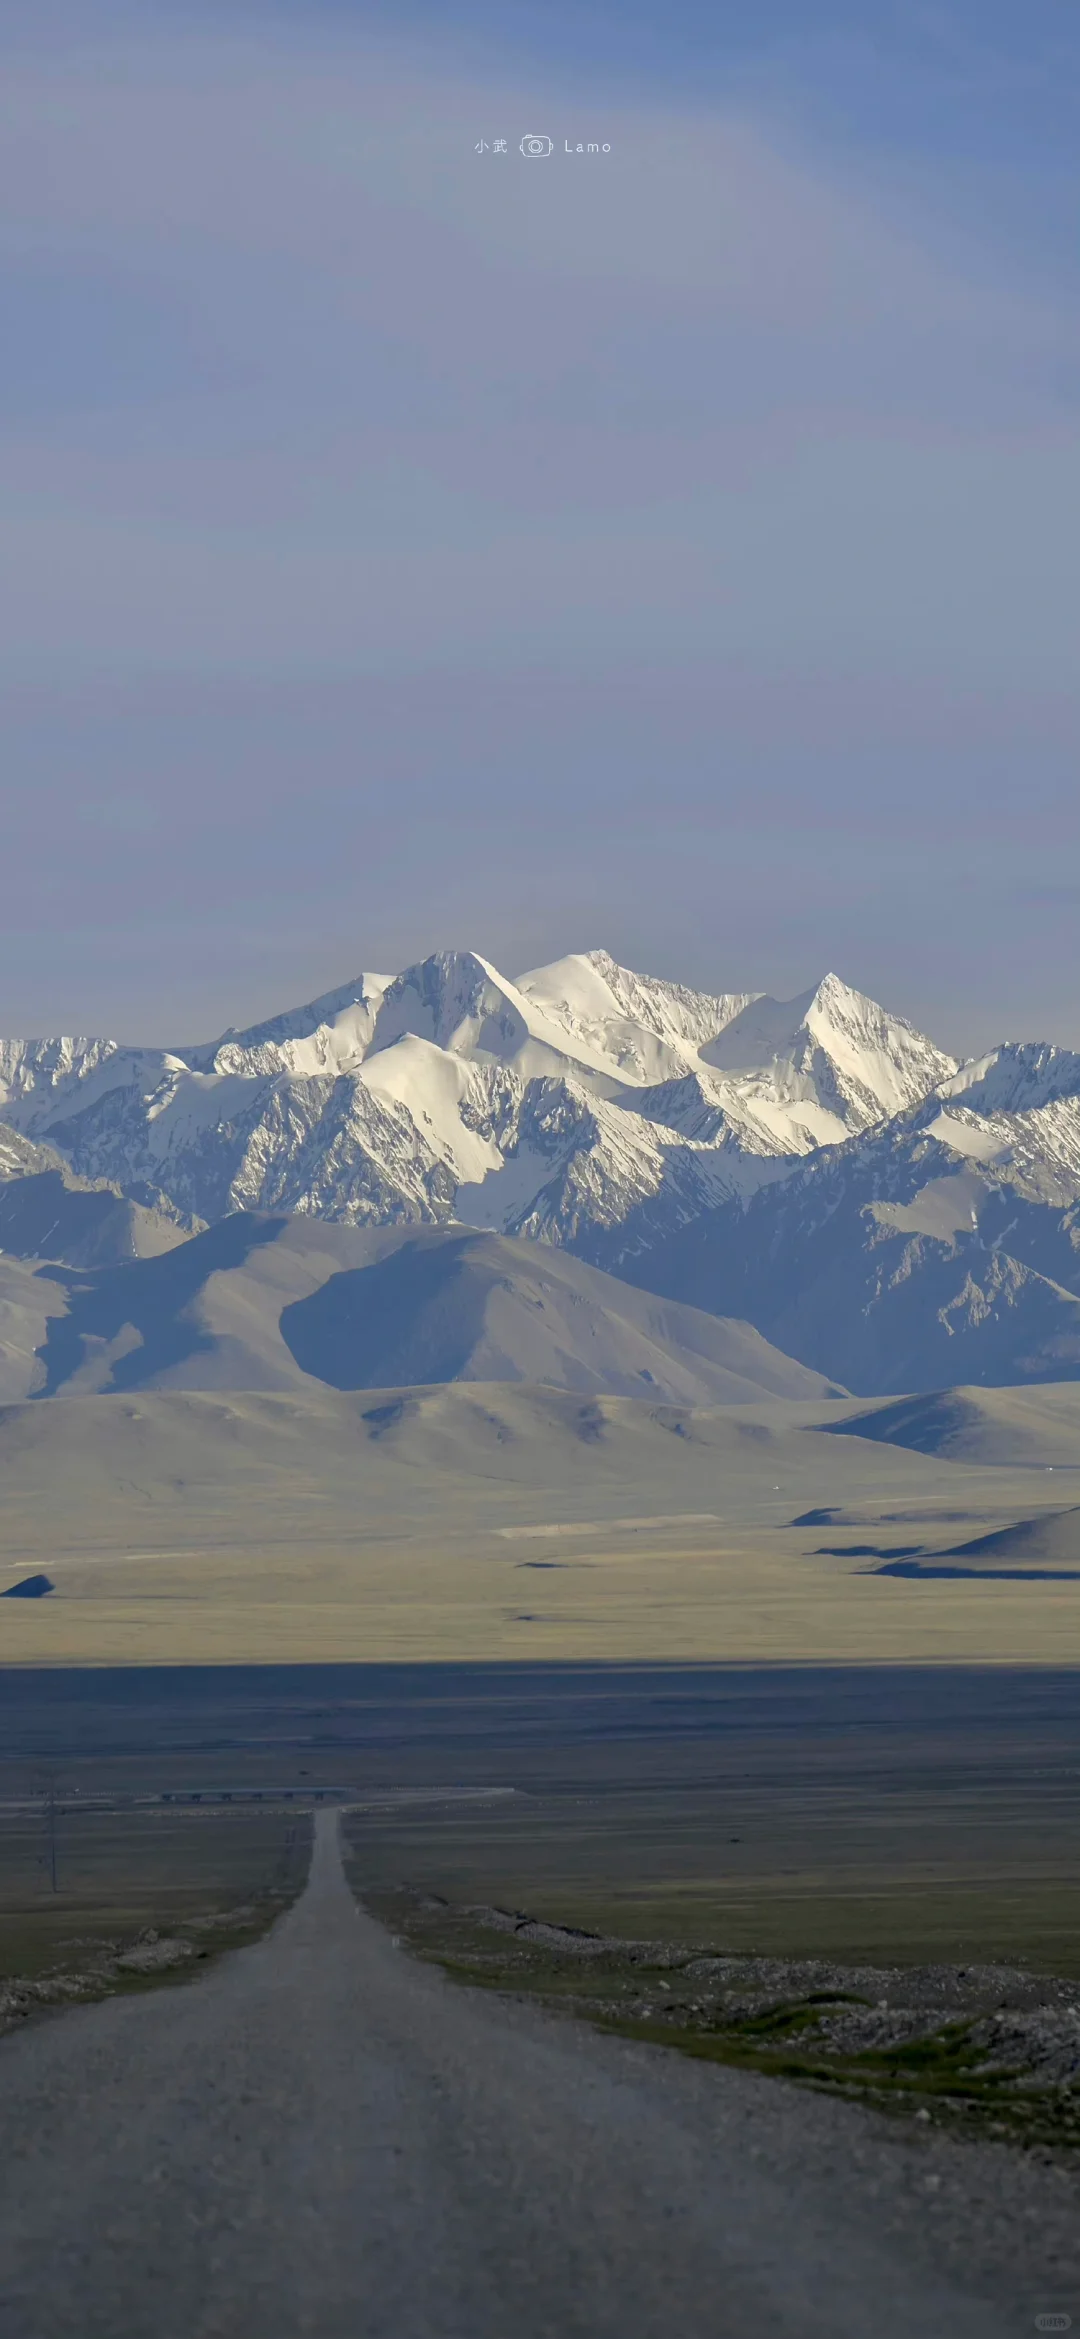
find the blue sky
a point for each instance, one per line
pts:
(675, 551)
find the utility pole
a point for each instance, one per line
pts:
(52, 1832)
(48, 1794)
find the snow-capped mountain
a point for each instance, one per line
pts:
(582, 1103)
(831, 1052)
(1018, 1078)
(940, 1247)
(817, 1166)
(643, 1031)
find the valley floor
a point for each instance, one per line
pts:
(524, 1524)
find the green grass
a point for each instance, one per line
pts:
(645, 1993)
(212, 1880)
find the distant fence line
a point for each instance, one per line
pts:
(250, 1795)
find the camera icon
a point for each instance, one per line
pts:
(533, 145)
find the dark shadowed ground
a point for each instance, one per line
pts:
(923, 1811)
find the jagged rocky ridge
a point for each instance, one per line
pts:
(815, 1166)
(583, 1104)
(942, 1247)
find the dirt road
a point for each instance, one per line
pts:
(321, 2137)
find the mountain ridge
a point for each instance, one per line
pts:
(389, 1096)
(816, 1166)
(278, 1302)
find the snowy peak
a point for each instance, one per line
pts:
(460, 1003)
(329, 1035)
(1017, 1111)
(830, 1048)
(40, 1078)
(326, 1035)
(1016, 1078)
(645, 1031)
(582, 1104)
(936, 1247)
(454, 1000)
(878, 1056)
(463, 1005)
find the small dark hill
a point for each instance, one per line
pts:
(46, 1212)
(1052, 1538)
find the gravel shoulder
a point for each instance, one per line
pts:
(982, 2049)
(326, 2136)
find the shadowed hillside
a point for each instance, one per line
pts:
(282, 1303)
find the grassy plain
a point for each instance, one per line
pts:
(788, 1852)
(506, 1522)
(888, 1908)
(880, 1823)
(95, 1900)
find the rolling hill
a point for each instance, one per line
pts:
(1031, 1428)
(264, 1302)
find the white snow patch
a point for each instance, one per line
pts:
(432, 1085)
(977, 1140)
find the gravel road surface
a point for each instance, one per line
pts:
(322, 2137)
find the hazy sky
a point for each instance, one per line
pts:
(675, 550)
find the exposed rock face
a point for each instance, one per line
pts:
(816, 1166)
(583, 1105)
